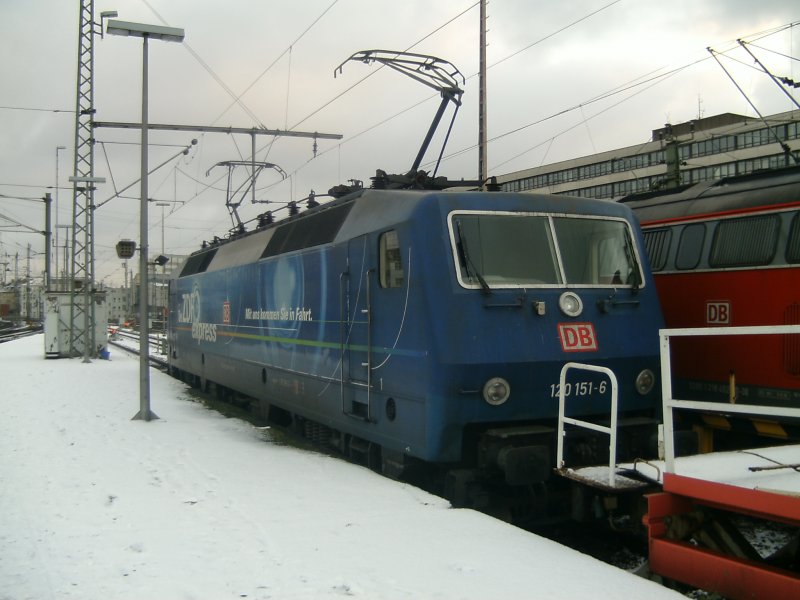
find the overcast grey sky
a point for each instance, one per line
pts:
(271, 63)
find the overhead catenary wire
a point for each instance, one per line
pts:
(555, 33)
(270, 144)
(614, 91)
(34, 109)
(153, 170)
(494, 139)
(771, 130)
(237, 98)
(432, 96)
(371, 73)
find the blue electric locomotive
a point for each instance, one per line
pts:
(428, 326)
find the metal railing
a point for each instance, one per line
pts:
(611, 430)
(669, 403)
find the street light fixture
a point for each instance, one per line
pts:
(167, 34)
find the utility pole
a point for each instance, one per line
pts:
(482, 136)
(17, 290)
(48, 202)
(56, 262)
(28, 285)
(126, 294)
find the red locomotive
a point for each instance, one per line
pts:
(727, 253)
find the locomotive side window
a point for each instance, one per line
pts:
(198, 263)
(690, 246)
(307, 231)
(657, 242)
(391, 265)
(793, 244)
(745, 242)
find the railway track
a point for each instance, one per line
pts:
(13, 333)
(129, 342)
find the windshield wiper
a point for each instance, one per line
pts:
(631, 255)
(468, 264)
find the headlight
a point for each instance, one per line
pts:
(570, 304)
(496, 391)
(645, 381)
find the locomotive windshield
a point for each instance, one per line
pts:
(501, 249)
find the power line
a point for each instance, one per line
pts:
(33, 109)
(371, 73)
(605, 95)
(280, 56)
(555, 33)
(562, 29)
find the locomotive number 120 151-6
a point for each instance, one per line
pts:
(579, 388)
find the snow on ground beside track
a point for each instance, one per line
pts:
(94, 505)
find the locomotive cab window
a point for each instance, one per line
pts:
(597, 251)
(391, 265)
(498, 249)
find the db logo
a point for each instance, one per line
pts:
(718, 313)
(226, 313)
(577, 337)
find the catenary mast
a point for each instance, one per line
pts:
(482, 159)
(81, 272)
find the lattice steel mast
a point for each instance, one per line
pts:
(82, 260)
(81, 271)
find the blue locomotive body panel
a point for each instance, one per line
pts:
(371, 316)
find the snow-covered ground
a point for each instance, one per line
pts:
(94, 505)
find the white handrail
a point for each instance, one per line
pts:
(669, 403)
(610, 431)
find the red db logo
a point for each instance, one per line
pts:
(718, 313)
(577, 337)
(226, 313)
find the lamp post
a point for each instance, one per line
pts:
(168, 34)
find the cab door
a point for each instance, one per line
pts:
(356, 329)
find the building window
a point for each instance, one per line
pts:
(759, 137)
(715, 145)
(745, 242)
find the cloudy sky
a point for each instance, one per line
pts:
(565, 79)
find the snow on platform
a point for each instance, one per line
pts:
(94, 505)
